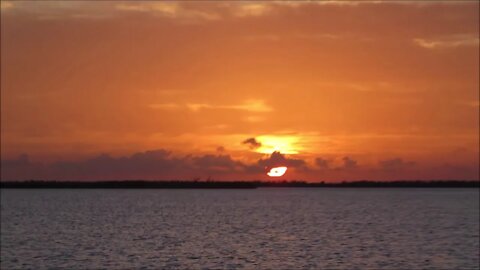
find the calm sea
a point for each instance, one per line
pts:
(266, 228)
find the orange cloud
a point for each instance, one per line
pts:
(452, 41)
(252, 105)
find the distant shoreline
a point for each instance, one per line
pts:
(142, 184)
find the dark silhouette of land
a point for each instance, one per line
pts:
(136, 184)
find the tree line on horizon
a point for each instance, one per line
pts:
(233, 184)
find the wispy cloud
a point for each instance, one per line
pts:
(168, 9)
(251, 9)
(357, 86)
(190, 12)
(452, 41)
(166, 106)
(252, 105)
(299, 36)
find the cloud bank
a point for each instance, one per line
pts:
(164, 165)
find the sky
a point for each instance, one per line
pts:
(333, 90)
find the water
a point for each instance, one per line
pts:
(267, 228)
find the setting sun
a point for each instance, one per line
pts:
(277, 171)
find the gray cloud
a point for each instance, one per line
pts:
(395, 164)
(155, 164)
(217, 163)
(164, 165)
(252, 143)
(278, 159)
(322, 163)
(349, 163)
(21, 168)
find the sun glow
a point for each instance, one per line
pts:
(277, 171)
(283, 144)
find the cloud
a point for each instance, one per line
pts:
(216, 163)
(164, 165)
(349, 164)
(150, 165)
(358, 86)
(256, 9)
(22, 161)
(195, 12)
(456, 171)
(51, 10)
(251, 105)
(252, 143)
(197, 106)
(396, 164)
(20, 168)
(278, 159)
(251, 9)
(147, 165)
(451, 41)
(296, 36)
(322, 163)
(169, 9)
(154, 164)
(165, 106)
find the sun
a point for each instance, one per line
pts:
(277, 171)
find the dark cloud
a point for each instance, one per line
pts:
(20, 168)
(155, 164)
(395, 164)
(252, 143)
(149, 165)
(322, 163)
(349, 163)
(456, 171)
(278, 159)
(164, 165)
(23, 160)
(216, 163)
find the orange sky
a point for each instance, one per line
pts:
(157, 90)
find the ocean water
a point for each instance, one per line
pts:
(266, 228)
